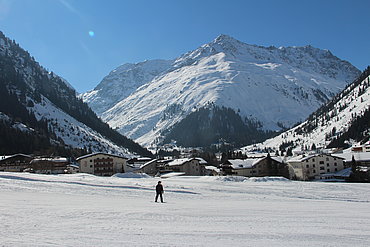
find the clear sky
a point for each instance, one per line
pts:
(83, 40)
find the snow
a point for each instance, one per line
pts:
(344, 111)
(244, 163)
(84, 210)
(131, 175)
(73, 132)
(264, 83)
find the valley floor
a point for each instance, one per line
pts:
(84, 210)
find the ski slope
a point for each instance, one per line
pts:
(84, 210)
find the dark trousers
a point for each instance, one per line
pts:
(158, 194)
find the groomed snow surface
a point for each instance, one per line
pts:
(85, 210)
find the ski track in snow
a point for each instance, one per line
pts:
(84, 210)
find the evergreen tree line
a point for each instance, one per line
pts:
(358, 131)
(208, 125)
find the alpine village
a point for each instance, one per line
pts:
(46, 127)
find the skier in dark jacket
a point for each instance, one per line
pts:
(159, 190)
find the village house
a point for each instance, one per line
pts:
(72, 169)
(15, 163)
(255, 167)
(150, 168)
(187, 166)
(212, 171)
(102, 164)
(134, 164)
(49, 165)
(312, 166)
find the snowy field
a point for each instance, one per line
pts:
(84, 210)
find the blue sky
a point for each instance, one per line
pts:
(83, 40)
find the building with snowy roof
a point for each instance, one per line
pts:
(102, 164)
(361, 158)
(255, 167)
(312, 166)
(15, 162)
(151, 167)
(56, 165)
(189, 166)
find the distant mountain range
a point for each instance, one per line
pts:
(41, 113)
(253, 90)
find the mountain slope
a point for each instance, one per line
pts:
(344, 119)
(121, 82)
(274, 86)
(48, 99)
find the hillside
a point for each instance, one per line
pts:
(344, 120)
(276, 87)
(49, 109)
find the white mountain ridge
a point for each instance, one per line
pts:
(352, 105)
(276, 86)
(73, 133)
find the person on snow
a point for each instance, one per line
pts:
(159, 190)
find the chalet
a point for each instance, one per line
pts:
(49, 165)
(102, 164)
(134, 164)
(255, 167)
(72, 169)
(212, 171)
(15, 162)
(312, 166)
(188, 166)
(150, 168)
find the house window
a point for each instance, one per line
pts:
(90, 166)
(327, 158)
(336, 169)
(307, 166)
(335, 163)
(322, 168)
(327, 164)
(313, 165)
(328, 170)
(314, 171)
(321, 162)
(313, 160)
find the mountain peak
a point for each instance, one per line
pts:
(225, 38)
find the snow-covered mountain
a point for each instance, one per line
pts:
(273, 86)
(47, 110)
(123, 81)
(344, 119)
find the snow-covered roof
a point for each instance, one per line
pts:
(301, 158)
(178, 162)
(342, 173)
(278, 159)
(359, 156)
(148, 163)
(212, 168)
(4, 157)
(58, 159)
(93, 154)
(246, 163)
(201, 161)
